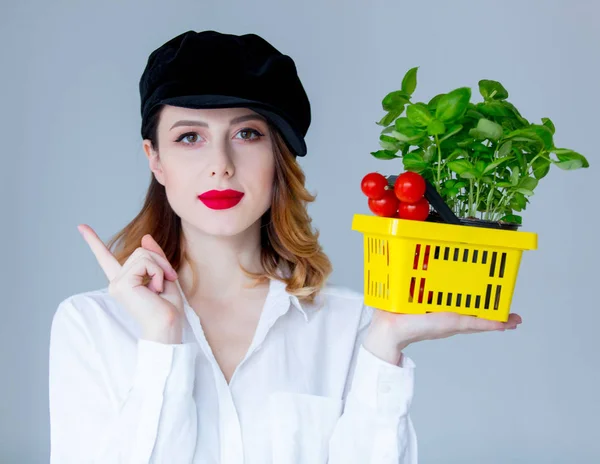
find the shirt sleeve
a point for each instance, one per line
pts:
(375, 426)
(155, 421)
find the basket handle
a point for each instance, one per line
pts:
(435, 200)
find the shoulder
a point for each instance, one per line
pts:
(343, 301)
(90, 313)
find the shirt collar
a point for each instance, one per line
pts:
(278, 299)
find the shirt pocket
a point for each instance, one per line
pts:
(301, 426)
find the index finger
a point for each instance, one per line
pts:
(105, 258)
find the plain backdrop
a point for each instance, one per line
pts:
(71, 153)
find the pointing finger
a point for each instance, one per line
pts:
(105, 258)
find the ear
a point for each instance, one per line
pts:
(154, 161)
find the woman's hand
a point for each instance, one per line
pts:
(389, 333)
(156, 305)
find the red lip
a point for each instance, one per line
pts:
(221, 199)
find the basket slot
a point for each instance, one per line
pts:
(488, 293)
(475, 253)
(477, 301)
(426, 257)
(493, 263)
(484, 257)
(436, 254)
(449, 299)
(456, 252)
(466, 255)
(497, 298)
(502, 265)
(458, 298)
(468, 301)
(422, 290)
(387, 255)
(430, 297)
(439, 299)
(417, 254)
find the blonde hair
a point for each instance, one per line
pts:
(288, 242)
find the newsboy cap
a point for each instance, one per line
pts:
(210, 69)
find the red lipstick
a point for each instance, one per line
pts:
(221, 199)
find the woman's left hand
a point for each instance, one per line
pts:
(389, 333)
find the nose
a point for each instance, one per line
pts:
(221, 164)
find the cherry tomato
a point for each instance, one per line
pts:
(409, 187)
(373, 185)
(417, 211)
(386, 206)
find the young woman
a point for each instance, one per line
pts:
(218, 339)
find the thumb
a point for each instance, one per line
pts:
(150, 244)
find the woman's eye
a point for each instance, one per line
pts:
(248, 130)
(191, 138)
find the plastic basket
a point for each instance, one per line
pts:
(419, 267)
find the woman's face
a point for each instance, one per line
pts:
(214, 149)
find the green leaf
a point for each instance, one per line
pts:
(494, 164)
(389, 143)
(514, 176)
(436, 127)
(494, 109)
(429, 153)
(518, 202)
(514, 218)
(524, 191)
(505, 149)
(384, 154)
(480, 166)
(528, 183)
(489, 129)
(492, 90)
(395, 101)
(409, 81)
(504, 184)
(413, 161)
(389, 117)
(419, 115)
(541, 167)
(452, 130)
(570, 159)
(464, 169)
(544, 133)
(453, 105)
(549, 124)
(433, 103)
(524, 135)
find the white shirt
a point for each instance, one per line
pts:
(307, 391)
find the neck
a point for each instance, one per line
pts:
(215, 261)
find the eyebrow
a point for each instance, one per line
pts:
(246, 117)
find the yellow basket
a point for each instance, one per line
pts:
(418, 267)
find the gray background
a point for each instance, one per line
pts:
(71, 153)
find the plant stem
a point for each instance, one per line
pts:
(476, 201)
(439, 164)
(470, 208)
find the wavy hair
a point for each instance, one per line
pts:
(288, 242)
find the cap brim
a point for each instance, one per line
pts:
(294, 140)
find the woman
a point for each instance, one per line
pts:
(218, 339)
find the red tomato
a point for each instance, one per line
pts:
(373, 185)
(417, 211)
(386, 206)
(409, 187)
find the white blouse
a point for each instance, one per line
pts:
(307, 391)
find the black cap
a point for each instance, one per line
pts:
(210, 69)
